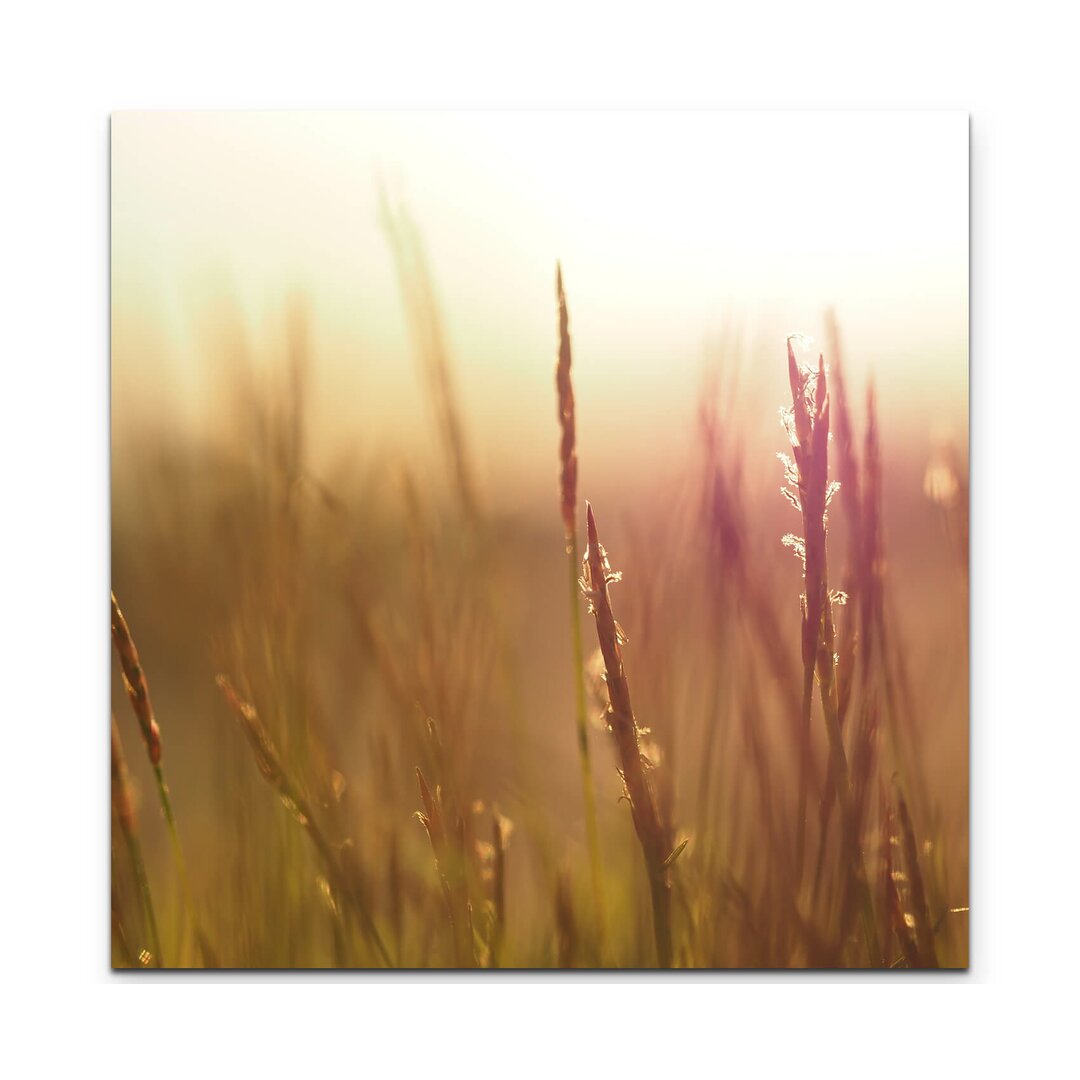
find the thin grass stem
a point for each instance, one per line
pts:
(568, 472)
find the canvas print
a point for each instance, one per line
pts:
(539, 540)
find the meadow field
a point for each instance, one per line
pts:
(588, 674)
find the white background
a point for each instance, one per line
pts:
(65, 68)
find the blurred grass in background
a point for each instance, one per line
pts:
(380, 612)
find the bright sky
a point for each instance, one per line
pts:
(668, 225)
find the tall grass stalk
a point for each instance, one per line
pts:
(425, 322)
(124, 807)
(856, 575)
(568, 470)
(446, 831)
(810, 492)
(138, 690)
(923, 928)
(653, 835)
(269, 764)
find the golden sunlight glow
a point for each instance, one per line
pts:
(671, 229)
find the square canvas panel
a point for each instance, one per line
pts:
(539, 540)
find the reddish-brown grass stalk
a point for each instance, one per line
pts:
(652, 833)
(138, 691)
(810, 492)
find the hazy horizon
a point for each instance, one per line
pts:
(674, 232)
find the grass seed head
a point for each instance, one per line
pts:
(138, 689)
